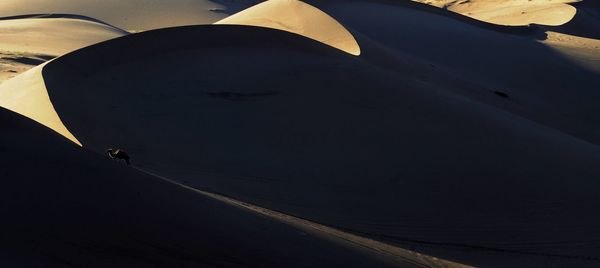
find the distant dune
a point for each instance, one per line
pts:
(131, 14)
(27, 41)
(571, 29)
(512, 12)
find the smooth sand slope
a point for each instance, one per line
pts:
(27, 41)
(27, 95)
(383, 145)
(576, 36)
(511, 12)
(543, 84)
(482, 150)
(584, 51)
(131, 14)
(297, 17)
(63, 206)
(586, 23)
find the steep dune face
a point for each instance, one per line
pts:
(299, 18)
(27, 95)
(129, 15)
(312, 131)
(512, 12)
(63, 206)
(28, 41)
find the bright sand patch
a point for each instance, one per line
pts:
(53, 36)
(299, 18)
(584, 51)
(512, 12)
(27, 95)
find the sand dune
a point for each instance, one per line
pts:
(63, 206)
(27, 41)
(512, 12)
(357, 146)
(465, 140)
(297, 17)
(13, 63)
(545, 86)
(584, 51)
(130, 15)
(586, 22)
(53, 35)
(28, 96)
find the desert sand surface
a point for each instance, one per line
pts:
(297, 17)
(27, 95)
(259, 143)
(28, 41)
(584, 51)
(511, 12)
(576, 35)
(269, 136)
(64, 207)
(131, 15)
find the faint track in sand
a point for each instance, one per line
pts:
(400, 256)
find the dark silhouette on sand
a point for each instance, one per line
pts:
(118, 154)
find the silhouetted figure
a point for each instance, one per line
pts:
(118, 154)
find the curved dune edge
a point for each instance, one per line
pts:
(28, 96)
(137, 15)
(512, 13)
(53, 36)
(299, 18)
(29, 40)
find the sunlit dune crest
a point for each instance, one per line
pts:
(512, 12)
(26, 42)
(27, 95)
(300, 18)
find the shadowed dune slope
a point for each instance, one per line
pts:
(297, 17)
(573, 17)
(543, 85)
(62, 206)
(131, 14)
(287, 123)
(511, 29)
